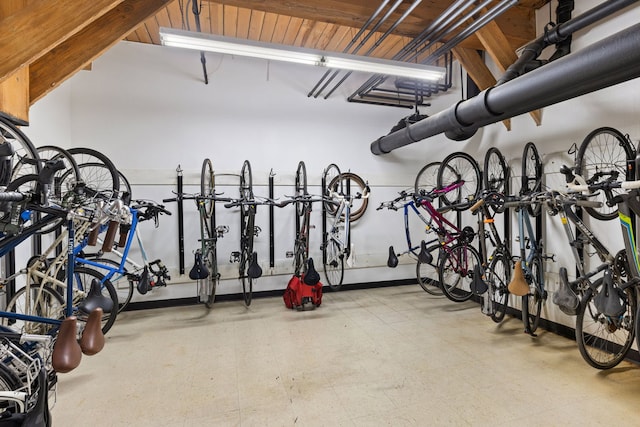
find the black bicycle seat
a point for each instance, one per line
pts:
(565, 298)
(95, 299)
(311, 277)
(392, 261)
(254, 271)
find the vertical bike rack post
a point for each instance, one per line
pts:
(323, 183)
(348, 242)
(180, 221)
(271, 222)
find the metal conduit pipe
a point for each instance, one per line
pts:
(376, 44)
(449, 14)
(352, 42)
(608, 62)
(560, 33)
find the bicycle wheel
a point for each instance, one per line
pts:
(334, 264)
(301, 248)
(126, 193)
(301, 188)
(206, 186)
(35, 300)
(456, 271)
(121, 283)
(213, 278)
(83, 277)
(427, 179)
(604, 154)
(24, 159)
(604, 341)
(9, 381)
(351, 184)
(247, 217)
(495, 174)
(328, 176)
(531, 178)
(64, 180)
(427, 274)
(499, 276)
(460, 167)
(246, 181)
(533, 301)
(98, 173)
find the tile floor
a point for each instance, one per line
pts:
(387, 356)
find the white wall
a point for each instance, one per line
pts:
(149, 110)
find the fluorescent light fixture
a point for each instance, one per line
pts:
(275, 52)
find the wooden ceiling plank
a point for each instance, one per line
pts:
(175, 15)
(230, 21)
(255, 27)
(88, 44)
(22, 39)
(153, 29)
(292, 31)
(341, 33)
(268, 27)
(474, 65)
(314, 35)
(326, 36)
(205, 17)
(306, 26)
(280, 30)
(244, 21)
(217, 19)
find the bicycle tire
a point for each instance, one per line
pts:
(25, 159)
(427, 179)
(247, 218)
(45, 302)
(495, 174)
(97, 171)
(213, 277)
(345, 181)
(300, 189)
(124, 293)
(531, 178)
(334, 265)
(604, 151)
(126, 193)
(456, 271)
(427, 274)
(328, 175)
(246, 181)
(532, 302)
(603, 343)
(82, 280)
(455, 167)
(64, 180)
(499, 276)
(206, 186)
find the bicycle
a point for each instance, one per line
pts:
(248, 267)
(497, 265)
(205, 268)
(528, 273)
(422, 254)
(339, 204)
(605, 309)
(124, 273)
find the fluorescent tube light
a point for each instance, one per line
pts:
(275, 52)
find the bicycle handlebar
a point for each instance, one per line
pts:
(240, 202)
(12, 196)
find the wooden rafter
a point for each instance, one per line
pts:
(23, 38)
(71, 56)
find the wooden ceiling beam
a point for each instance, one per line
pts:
(497, 46)
(85, 46)
(34, 30)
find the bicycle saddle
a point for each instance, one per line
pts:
(66, 351)
(392, 261)
(311, 277)
(144, 284)
(518, 285)
(610, 301)
(92, 339)
(199, 270)
(424, 256)
(566, 300)
(95, 299)
(254, 271)
(478, 285)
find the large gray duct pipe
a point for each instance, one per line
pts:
(611, 61)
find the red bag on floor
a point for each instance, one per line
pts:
(304, 292)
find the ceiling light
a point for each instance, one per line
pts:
(275, 52)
